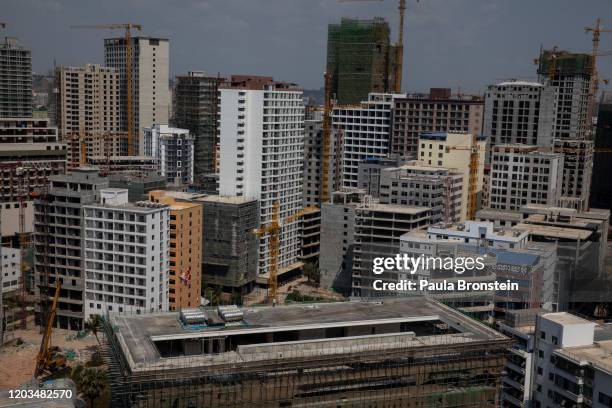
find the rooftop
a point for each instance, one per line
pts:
(554, 232)
(566, 319)
(599, 355)
(393, 208)
(137, 334)
(225, 199)
(520, 83)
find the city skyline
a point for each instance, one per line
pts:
(473, 36)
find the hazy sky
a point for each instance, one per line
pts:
(448, 43)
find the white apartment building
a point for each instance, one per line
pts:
(150, 77)
(365, 131)
(520, 112)
(174, 148)
(127, 255)
(261, 138)
(572, 367)
(11, 269)
(418, 184)
(452, 150)
(522, 174)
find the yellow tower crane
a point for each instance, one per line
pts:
(474, 149)
(128, 72)
(326, 145)
(594, 86)
(273, 230)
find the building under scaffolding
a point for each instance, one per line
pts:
(360, 59)
(401, 353)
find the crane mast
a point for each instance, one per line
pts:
(128, 73)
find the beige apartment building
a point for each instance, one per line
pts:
(88, 112)
(452, 150)
(185, 250)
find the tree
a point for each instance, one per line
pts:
(311, 271)
(93, 325)
(93, 381)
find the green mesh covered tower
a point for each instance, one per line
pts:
(360, 59)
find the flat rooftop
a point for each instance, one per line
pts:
(598, 355)
(225, 199)
(565, 319)
(394, 208)
(137, 334)
(555, 232)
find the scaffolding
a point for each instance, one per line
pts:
(360, 59)
(443, 368)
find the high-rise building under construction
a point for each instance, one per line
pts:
(570, 73)
(196, 109)
(360, 59)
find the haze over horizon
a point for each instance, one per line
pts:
(464, 44)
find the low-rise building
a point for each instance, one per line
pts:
(410, 351)
(423, 185)
(507, 255)
(370, 168)
(580, 239)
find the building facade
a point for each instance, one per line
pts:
(360, 59)
(185, 251)
(196, 105)
(11, 270)
(229, 247)
(261, 155)
(313, 162)
(366, 132)
(58, 243)
(175, 150)
(601, 190)
(15, 80)
(570, 74)
(88, 112)
(150, 79)
(522, 175)
(338, 236)
(378, 228)
(421, 185)
(452, 150)
(126, 259)
(88, 100)
(30, 152)
(438, 111)
(520, 112)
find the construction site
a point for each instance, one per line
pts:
(400, 353)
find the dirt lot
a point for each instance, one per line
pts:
(17, 362)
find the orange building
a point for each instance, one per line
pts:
(185, 250)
